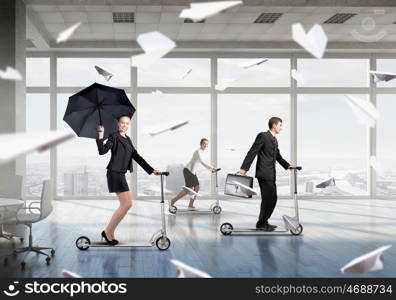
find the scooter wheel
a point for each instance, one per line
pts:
(163, 243)
(297, 231)
(226, 228)
(216, 209)
(172, 209)
(83, 243)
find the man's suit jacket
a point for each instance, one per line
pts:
(266, 149)
(114, 142)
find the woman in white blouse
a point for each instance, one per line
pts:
(190, 177)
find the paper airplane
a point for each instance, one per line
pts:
(221, 86)
(185, 271)
(245, 187)
(174, 127)
(314, 41)
(186, 73)
(372, 261)
(376, 165)
(69, 274)
(157, 93)
(226, 83)
(106, 74)
(13, 145)
(363, 110)
(10, 74)
(327, 183)
(200, 11)
(382, 76)
(67, 33)
(290, 222)
(297, 76)
(155, 46)
(250, 65)
(191, 191)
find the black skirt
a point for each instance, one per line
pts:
(116, 182)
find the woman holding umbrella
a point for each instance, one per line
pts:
(111, 108)
(122, 153)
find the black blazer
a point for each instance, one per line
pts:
(267, 153)
(118, 153)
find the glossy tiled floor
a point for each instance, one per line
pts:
(335, 231)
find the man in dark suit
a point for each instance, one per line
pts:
(266, 148)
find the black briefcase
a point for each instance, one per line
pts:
(232, 189)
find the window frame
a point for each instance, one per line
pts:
(372, 91)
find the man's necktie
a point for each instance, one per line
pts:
(275, 141)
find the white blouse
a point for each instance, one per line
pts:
(197, 158)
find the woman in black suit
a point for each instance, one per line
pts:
(122, 153)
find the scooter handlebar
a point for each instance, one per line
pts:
(296, 168)
(164, 173)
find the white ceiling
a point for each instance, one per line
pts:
(234, 25)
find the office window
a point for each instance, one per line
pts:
(386, 65)
(241, 72)
(76, 71)
(81, 170)
(386, 145)
(334, 72)
(240, 119)
(180, 72)
(37, 163)
(332, 143)
(172, 148)
(37, 71)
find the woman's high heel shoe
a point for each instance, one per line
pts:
(112, 242)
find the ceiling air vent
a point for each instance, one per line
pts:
(123, 17)
(266, 18)
(191, 21)
(339, 18)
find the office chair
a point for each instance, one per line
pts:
(28, 219)
(16, 188)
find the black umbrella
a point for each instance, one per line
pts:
(97, 105)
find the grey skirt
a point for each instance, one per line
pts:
(190, 179)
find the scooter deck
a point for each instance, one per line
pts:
(255, 230)
(128, 244)
(197, 211)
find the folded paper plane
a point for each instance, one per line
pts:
(67, 33)
(200, 11)
(315, 41)
(186, 271)
(13, 145)
(372, 261)
(155, 46)
(106, 74)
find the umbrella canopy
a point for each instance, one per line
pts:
(97, 105)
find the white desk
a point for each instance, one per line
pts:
(9, 207)
(11, 202)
